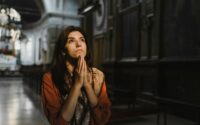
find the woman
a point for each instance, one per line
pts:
(73, 92)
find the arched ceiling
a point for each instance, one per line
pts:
(30, 10)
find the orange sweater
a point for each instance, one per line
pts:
(52, 103)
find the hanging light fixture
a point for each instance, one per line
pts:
(89, 8)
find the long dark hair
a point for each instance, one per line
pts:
(58, 67)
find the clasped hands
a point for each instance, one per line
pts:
(83, 77)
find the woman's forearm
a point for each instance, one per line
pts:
(91, 95)
(69, 105)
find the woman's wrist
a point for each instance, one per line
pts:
(87, 85)
(78, 85)
(95, 106)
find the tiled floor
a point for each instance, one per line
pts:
(16, 108)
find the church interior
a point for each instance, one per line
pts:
(148, 51)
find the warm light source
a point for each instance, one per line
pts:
(89, 8)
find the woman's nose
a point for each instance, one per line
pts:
(78, 43)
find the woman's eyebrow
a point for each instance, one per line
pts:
(70, 37)
(74, 38)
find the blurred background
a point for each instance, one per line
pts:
(149, 51)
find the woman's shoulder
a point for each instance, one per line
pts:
(98, 72)
(47, 79)
(98, 77)
(47, 75)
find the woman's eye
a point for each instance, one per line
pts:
(70, 41)
(83, 40)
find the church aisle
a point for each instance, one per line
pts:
(16, 108)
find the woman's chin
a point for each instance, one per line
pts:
(80, 55)
(76, 57)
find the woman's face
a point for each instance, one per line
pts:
(76, 44)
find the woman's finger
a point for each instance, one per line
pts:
(78, 64)
(85, 71)
(81, 65)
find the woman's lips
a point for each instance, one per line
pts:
(79, 50)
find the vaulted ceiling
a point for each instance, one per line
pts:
(30, 10)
